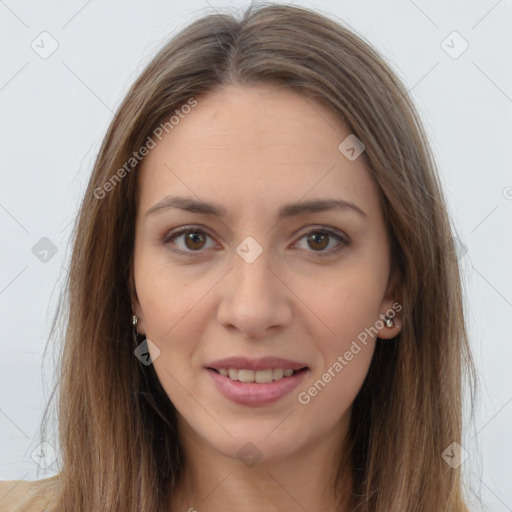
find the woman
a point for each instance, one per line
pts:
(265, 306)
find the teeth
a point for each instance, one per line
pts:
(264, 376)
(245, 375)
(260, 376)
(278, 373)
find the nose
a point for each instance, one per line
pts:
(254, 301)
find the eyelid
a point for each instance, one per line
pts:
(315, 228)
(332, 232)
(182, 230)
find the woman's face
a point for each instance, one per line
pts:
(270, 278)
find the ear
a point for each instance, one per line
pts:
(391, 307)
(136, 308)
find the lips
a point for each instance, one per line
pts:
(256, 382)
(255, 394)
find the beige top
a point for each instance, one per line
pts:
(22, 495)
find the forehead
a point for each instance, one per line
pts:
(258, 144)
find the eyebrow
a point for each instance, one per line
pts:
(288, 210)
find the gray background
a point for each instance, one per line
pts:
(54, 113)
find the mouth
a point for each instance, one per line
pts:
(256, 387)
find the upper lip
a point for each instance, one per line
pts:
(263, 363)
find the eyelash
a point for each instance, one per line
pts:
(191, 229)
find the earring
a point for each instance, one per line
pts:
(389, 322)
(135, 320)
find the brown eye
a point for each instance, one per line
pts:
(318, 241)
(191, 240)
(324, 242)
(195, 240)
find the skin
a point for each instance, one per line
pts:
(253, 149)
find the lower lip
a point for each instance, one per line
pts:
(253, 393)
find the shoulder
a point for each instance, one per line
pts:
(12, 493)
(22, 495)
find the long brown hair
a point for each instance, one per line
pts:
(117, 428)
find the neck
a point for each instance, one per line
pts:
(304, 480)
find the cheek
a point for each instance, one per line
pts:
(344, 339)
(169, 297)
(328, 397)
(347, 303)
(174, 313)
